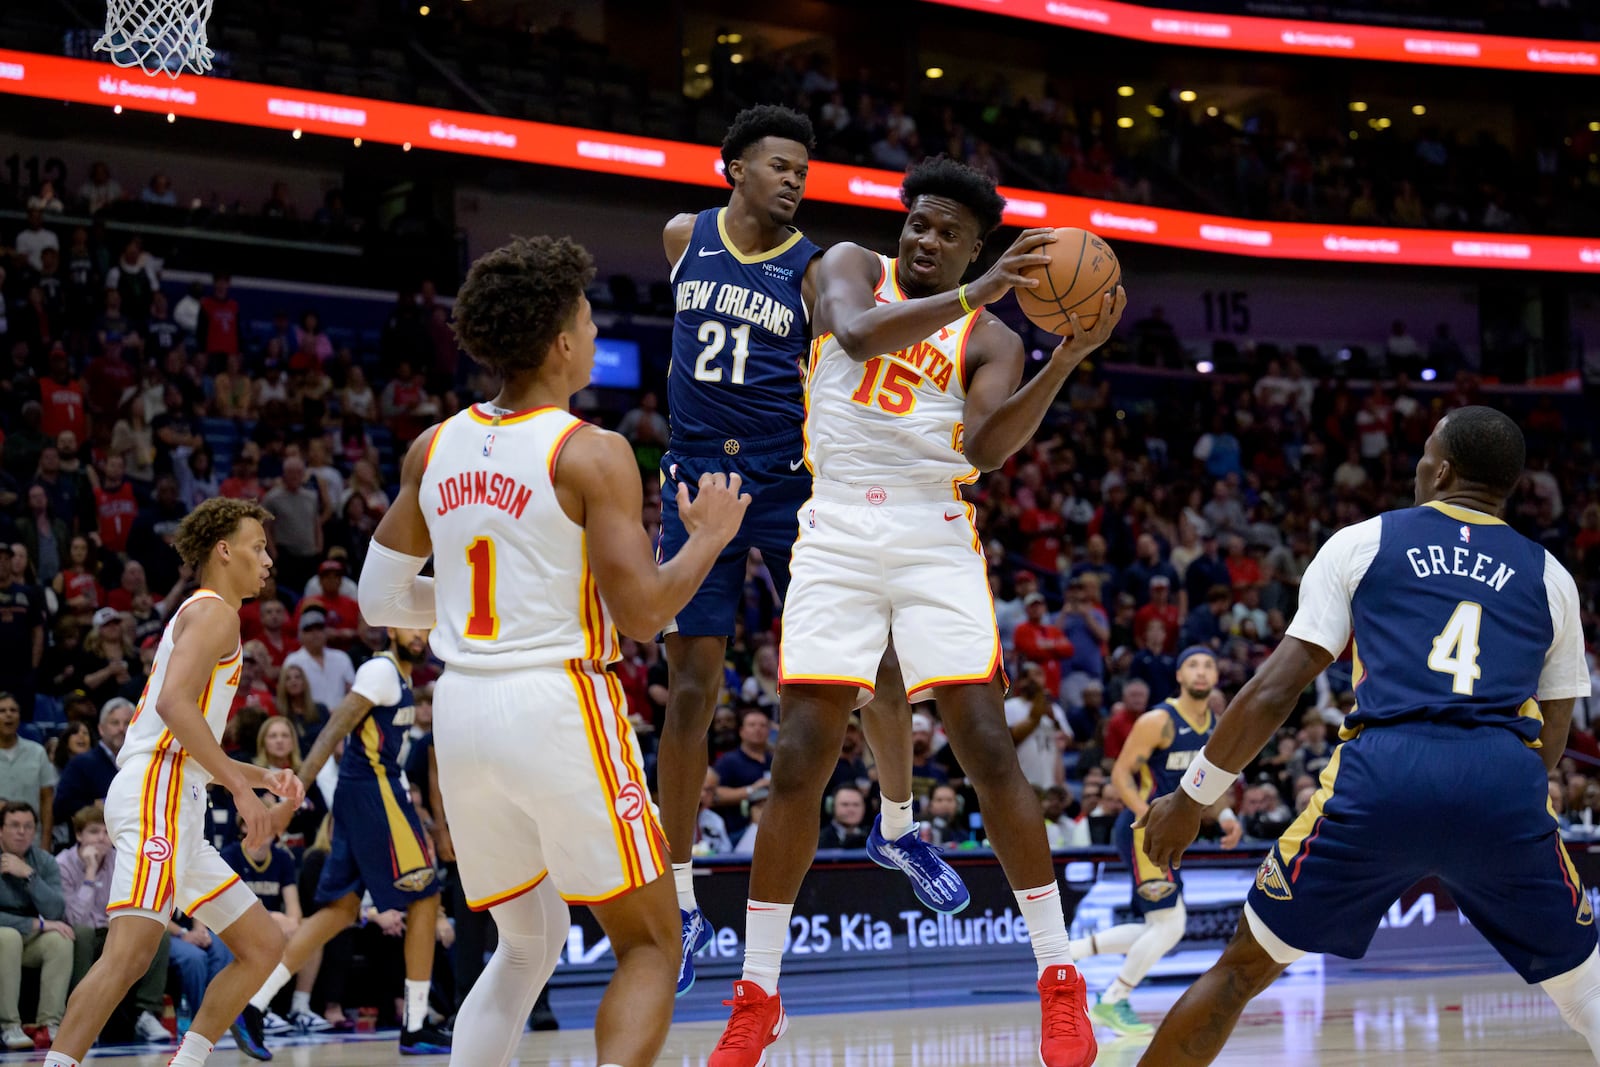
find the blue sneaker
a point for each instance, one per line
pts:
(249, 1031)
(934, 881)
(696, 936)
(428, 1041)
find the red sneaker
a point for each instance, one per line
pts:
(758, 1021)
(1066, 1037)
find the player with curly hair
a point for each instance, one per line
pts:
(912, 389)
(155, 810)
(532, 517)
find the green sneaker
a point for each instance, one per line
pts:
(1119, 1017)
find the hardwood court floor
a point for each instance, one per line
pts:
(1376, 1020)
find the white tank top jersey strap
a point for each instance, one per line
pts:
(895, 420)
(147, 733)
(512, 581)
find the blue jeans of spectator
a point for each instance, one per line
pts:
(197, 966)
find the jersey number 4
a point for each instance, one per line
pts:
(1455, 650)
(482, 622)
(714, 336)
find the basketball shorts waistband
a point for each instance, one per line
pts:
(882, 495)
(728, 448)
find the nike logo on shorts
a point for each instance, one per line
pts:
(797, 464)
(712, 251)
(952, 518)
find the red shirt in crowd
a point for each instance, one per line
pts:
(1168, 617)
(117, 509)
(1118, 727)
(64, 409)
(222, 324)
(1044, 644)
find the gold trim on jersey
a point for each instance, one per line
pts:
(1294, 838)
(760, 257)
(1476, 518)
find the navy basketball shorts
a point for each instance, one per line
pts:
(1154, 888)
(1398, 803)
(774, 474)
(378, 846)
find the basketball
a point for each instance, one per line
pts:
(1082, 268)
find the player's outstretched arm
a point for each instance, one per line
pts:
(1000, 418)
(351, 710)
(392, 591)
(1153, 730)
(205, 634)
(597, 482)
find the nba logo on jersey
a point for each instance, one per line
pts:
(488, 443)
(1466, 535)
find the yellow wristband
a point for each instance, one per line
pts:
(961, 295)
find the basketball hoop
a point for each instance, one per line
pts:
(158, 36)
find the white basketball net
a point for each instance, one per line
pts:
(158, 36)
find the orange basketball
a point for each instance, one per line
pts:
(1081, 270)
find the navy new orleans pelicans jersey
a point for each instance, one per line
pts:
(1452, 623)
(373, 750)
(738, 338)
(1164, 771)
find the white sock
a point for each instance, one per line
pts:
(1577, 994)
(416, 1004)
(683, 878)
(299, 1002)
(896, 819)
(1047, 926)
(533, 931)
(59, 1059)
(1116, 993)
(766, 926)
(277, 980)
(1162, 932)
(1113, 942)
(192, 1053)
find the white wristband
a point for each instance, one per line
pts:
(1205, 781)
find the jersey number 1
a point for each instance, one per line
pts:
(714, 335)
(482, 622)
(1455, 650)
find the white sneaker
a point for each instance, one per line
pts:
(273, 1023)
(309, 1022)
(149, 1028)
(13, 1038)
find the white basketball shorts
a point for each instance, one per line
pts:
(875, 561)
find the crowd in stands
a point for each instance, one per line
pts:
(1127, 529)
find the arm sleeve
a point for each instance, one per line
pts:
(1566, 673)
(378, 682)
(1324, 617)
(392, 592)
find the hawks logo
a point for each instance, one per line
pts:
(157, 850)
(1270, 879)
(414, 881)
(630, 802)
(1155, 891)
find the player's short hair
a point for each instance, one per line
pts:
(753, 124)
(87, 817)
(972, 189)
(1485, 447)
(518, 298)
(214, 520)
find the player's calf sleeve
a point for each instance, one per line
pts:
(1162, 932)
(1577, 994)
(533, 928)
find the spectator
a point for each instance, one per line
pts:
(87, 778)
(297, 532)
(135, 278)
(925, 771)
(1064, 821)
(21, 635)
(275, 636)
(328, 670)
(1039, 641)
(1134, 703)
(847, 820)
(1209, 623)
(711, 831)
(109, 664)
(64, 399)
(115, 506)
(357, 398)
(196, 955)
(269, 872)
(744, 775)
(1009, 613)
(254, 688)
(26, 773)
(100, 191)
(32, 931)
(341, 611)
(87, 871)
(35, 238)
(1315, 753)
(1038, 728)
(1146, 567)
(243, 482)
(1160, 608)
(1152, 665)
(74, 740)
(217, 326)
(761, 687)
(159, 192)
(943, 825)
(295, 703)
